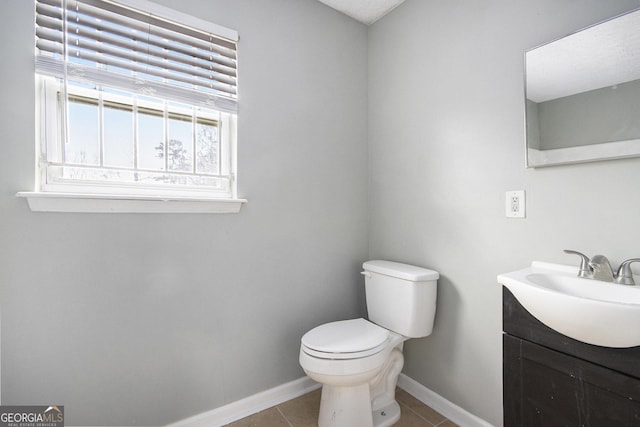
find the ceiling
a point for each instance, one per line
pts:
(600, 56)
(365, 11)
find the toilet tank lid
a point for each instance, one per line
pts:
(401, 271)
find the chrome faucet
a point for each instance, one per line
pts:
(599, 268)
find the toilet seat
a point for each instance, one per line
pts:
(345, 339)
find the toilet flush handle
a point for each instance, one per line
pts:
(365, 274)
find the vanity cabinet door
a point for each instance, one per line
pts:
(546, 388)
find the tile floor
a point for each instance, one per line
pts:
(303, 412)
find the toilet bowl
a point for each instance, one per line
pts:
(358, 361)
(349, 358)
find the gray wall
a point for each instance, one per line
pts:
(603, 115)
(148, 319)
(446, 140)
(532, 124)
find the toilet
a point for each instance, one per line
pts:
(358, 361)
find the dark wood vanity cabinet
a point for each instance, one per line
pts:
(552, 380)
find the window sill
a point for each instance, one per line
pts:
(98, 203)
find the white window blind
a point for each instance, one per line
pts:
(107, 43)
(135, 102)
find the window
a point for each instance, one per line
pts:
(133, 102)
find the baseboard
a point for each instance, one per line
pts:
(250, 405)
(258, 402)
(435, 401)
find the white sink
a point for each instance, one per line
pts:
(591, 311)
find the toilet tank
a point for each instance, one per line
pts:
(401, 297)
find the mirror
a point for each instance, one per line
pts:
(583, 95)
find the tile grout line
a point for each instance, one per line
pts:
(404, 406)
(283, 416)
(444, 419)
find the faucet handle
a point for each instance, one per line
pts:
(585, 270)
(624, 276)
